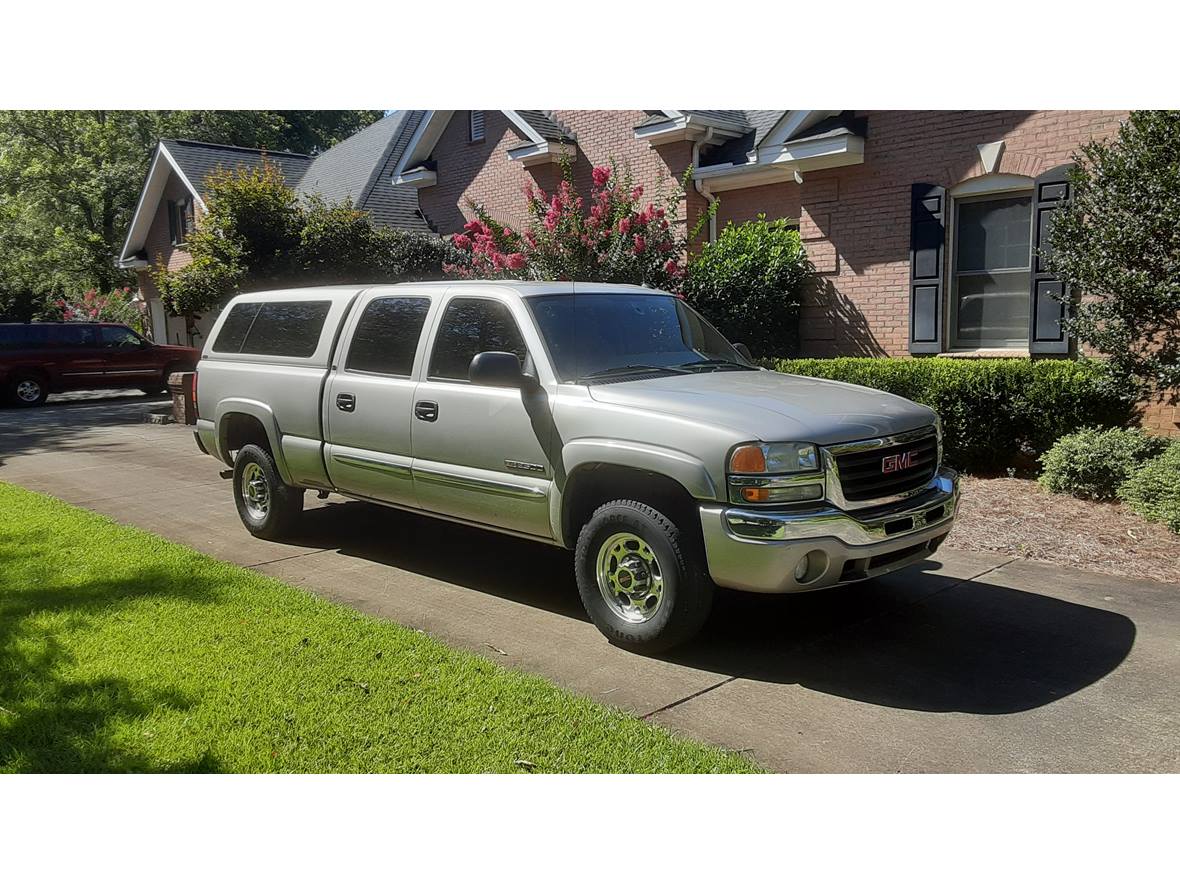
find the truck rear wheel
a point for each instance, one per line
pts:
(641, 578)
(267, 506)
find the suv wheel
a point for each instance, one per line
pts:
(267, 506)
(28, 390)
(641, 578)
(162, 385)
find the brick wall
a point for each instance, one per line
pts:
(483, 172)
(161, 252)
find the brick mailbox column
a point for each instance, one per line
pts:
(180, 385)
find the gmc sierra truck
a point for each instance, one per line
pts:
(612, 420)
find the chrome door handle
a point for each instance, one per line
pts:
(345, 402)
(425, 410)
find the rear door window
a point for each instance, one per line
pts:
(471, 326)
(386, 337)
(276, 328)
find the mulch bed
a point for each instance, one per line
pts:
(1019, 518)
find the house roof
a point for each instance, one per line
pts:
(197, 159)
(358, 168)
(548, 127)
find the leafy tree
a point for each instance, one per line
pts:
(610, 238)
(1118, 242)
(750, 283)
(69, 182)
(257, 234)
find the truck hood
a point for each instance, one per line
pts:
(770, 406)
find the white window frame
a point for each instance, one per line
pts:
(985, 187)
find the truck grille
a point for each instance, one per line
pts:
(883, 471)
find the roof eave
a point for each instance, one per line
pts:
(688, 127)
(545, 152)
(779, 164)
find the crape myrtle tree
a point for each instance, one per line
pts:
(614, 236)
(1118, 243)
(257, 233)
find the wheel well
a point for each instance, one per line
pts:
(591, 486)
(239, 429)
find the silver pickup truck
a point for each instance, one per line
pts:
(612, 420)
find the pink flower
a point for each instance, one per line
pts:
(640, 244)
(550, 220)
(461, 241)
(529, 193)
(497, 261)
(624, 225)
(600, 175)
(507, 232)
(671, 267)
(515, 261)
(637, 192)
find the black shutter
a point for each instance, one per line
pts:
(1048, 296)
(172, 222)
(927, 239)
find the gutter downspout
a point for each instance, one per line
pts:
(702, 188)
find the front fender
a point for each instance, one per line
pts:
(685, 469)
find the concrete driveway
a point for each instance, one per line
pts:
(966, 663)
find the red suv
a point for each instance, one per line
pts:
(37, 359)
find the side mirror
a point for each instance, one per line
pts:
(495, 368)
(744, 351)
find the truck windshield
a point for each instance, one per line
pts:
(596, 336)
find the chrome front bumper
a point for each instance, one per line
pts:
(759, 550)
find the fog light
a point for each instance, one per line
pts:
(801, 568)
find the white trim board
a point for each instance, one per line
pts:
(153, 190)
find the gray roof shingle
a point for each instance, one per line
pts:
(197, 159)
(360, 168)
(548, 127)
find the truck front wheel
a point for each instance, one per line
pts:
(641, 578)
(267, 506)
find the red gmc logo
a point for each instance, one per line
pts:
(893, 463)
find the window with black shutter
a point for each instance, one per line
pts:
(475, 126)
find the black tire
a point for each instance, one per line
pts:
(284, 503)
(27, 389)
(687, 591)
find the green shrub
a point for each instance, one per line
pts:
(750, 284)
(1092, 463)
(1153, 490)
(995, 413)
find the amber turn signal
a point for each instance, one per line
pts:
(748, 459)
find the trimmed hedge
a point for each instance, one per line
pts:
(1093, 463)
(1153, 491)
(995, 413)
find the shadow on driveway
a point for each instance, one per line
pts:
(912, 640)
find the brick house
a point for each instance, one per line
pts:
(922, 225)
(173, 196)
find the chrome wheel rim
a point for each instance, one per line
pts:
(255, 491)
(28, 391)
(630, 578)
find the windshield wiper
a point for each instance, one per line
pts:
(633, 369)
(714, 364)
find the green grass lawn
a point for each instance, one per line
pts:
(120, 651)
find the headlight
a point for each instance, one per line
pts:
(774, 458)
(775, 473)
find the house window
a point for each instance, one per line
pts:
(990, 271)
(475, 125)
(179, 216)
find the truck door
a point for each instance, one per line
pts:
(127, 359)
(477, 453)
(370, 397)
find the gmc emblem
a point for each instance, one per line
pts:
(894, 463)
